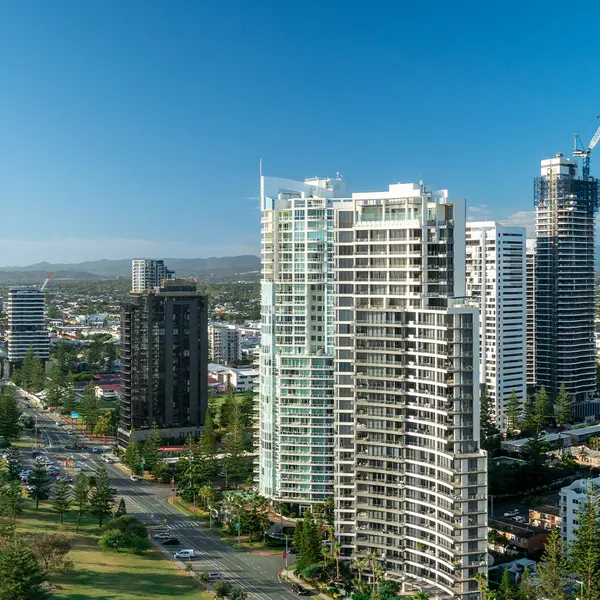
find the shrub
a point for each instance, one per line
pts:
(222, 589)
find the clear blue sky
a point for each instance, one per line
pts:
(135, 127)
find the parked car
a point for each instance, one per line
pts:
(299, 590)
(171, 542)
(511, 513)
(96, 450)
(161, 535)
(187, 553)
(519, 519)
(70, 432)
(216, 575)
(108, 460)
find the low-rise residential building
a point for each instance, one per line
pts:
(554, 440)
(586, 456)
(571, 499)
(239, 380)
(520, 535)
(546, 517)
(582, 434)
(108, 391)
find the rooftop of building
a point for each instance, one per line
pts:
(547, 509)
(550, 437)
(522, 530)
(580, 486)
(584, 430)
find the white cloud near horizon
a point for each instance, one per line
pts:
(16, 252)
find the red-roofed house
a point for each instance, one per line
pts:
(108, 390)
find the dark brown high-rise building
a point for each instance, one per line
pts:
(164, 357)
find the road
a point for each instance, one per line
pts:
(149, 502)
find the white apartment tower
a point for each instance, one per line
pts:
(530, 313)
(147, 273)
(224, 343)
(411, 479)
(496, 279)
(297, 341)
(26, 325)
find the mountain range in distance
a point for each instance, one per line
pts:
(245, 267)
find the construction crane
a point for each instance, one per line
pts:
(580, 151)
(45, 284)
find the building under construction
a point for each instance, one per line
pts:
(564, 278)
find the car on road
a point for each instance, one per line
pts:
(134, 478)
(519, 519)
(171, 542)
(70, 432)
(187, 553)
(511, 513)
(216, 575)
(161, 535)
(69, 447)
(96, 450)
(67, 478)
(108, 460)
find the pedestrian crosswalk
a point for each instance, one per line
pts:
(183, 525)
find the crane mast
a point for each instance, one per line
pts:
(584, 153)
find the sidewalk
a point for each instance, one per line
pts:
(291, 578)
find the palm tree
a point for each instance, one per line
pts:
(325, 553)
(372, 557)
(481, 579)
(360, 564)
(336, 553)
(205, 493)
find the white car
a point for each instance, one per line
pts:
(215, 575)
(70, 432)
(162, 535)
(511, 513)
(134, 478)
(188, 553)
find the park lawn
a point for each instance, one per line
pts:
(107, 575)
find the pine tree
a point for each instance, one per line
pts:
(102, 496)
(122, 509)
(38, 375)
(61, 502)
(81, 493)
(299, 545)
(26, 371)
(311, 540)
(527, 587)
(133, 456)
(513, 414)
(151, 448)
(536, 449)
(39, 483)
(89, 408)
(207, 446)
(585, 549)
(228, 409)
(54, 386)
(553, 570)
(563, 410)
(540, 407)
(488, 429)
(10, 413)
(507, 589)
(21, 576)
(247, 406)
(234, 447)
(528, 415)
(69, 404)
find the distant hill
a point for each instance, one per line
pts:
(204, 268)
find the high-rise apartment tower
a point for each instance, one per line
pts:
(297, 341)
(496, 279)
(530, 257)
(224, 343)
(411, 480)
(26, 326)
(147, 273)
(164, 361)
(565, 207)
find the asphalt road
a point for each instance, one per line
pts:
(148, 501)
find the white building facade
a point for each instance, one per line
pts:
(147, 273)
(530, 294)
(410, 479)
(572, 498)
(297, 341)
(26, 324)
(225, 347)
(496, 279)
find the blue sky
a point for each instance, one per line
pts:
(134, 128)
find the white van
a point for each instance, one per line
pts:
(188, 553)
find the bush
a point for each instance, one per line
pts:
(222, 589)
(203, 577)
